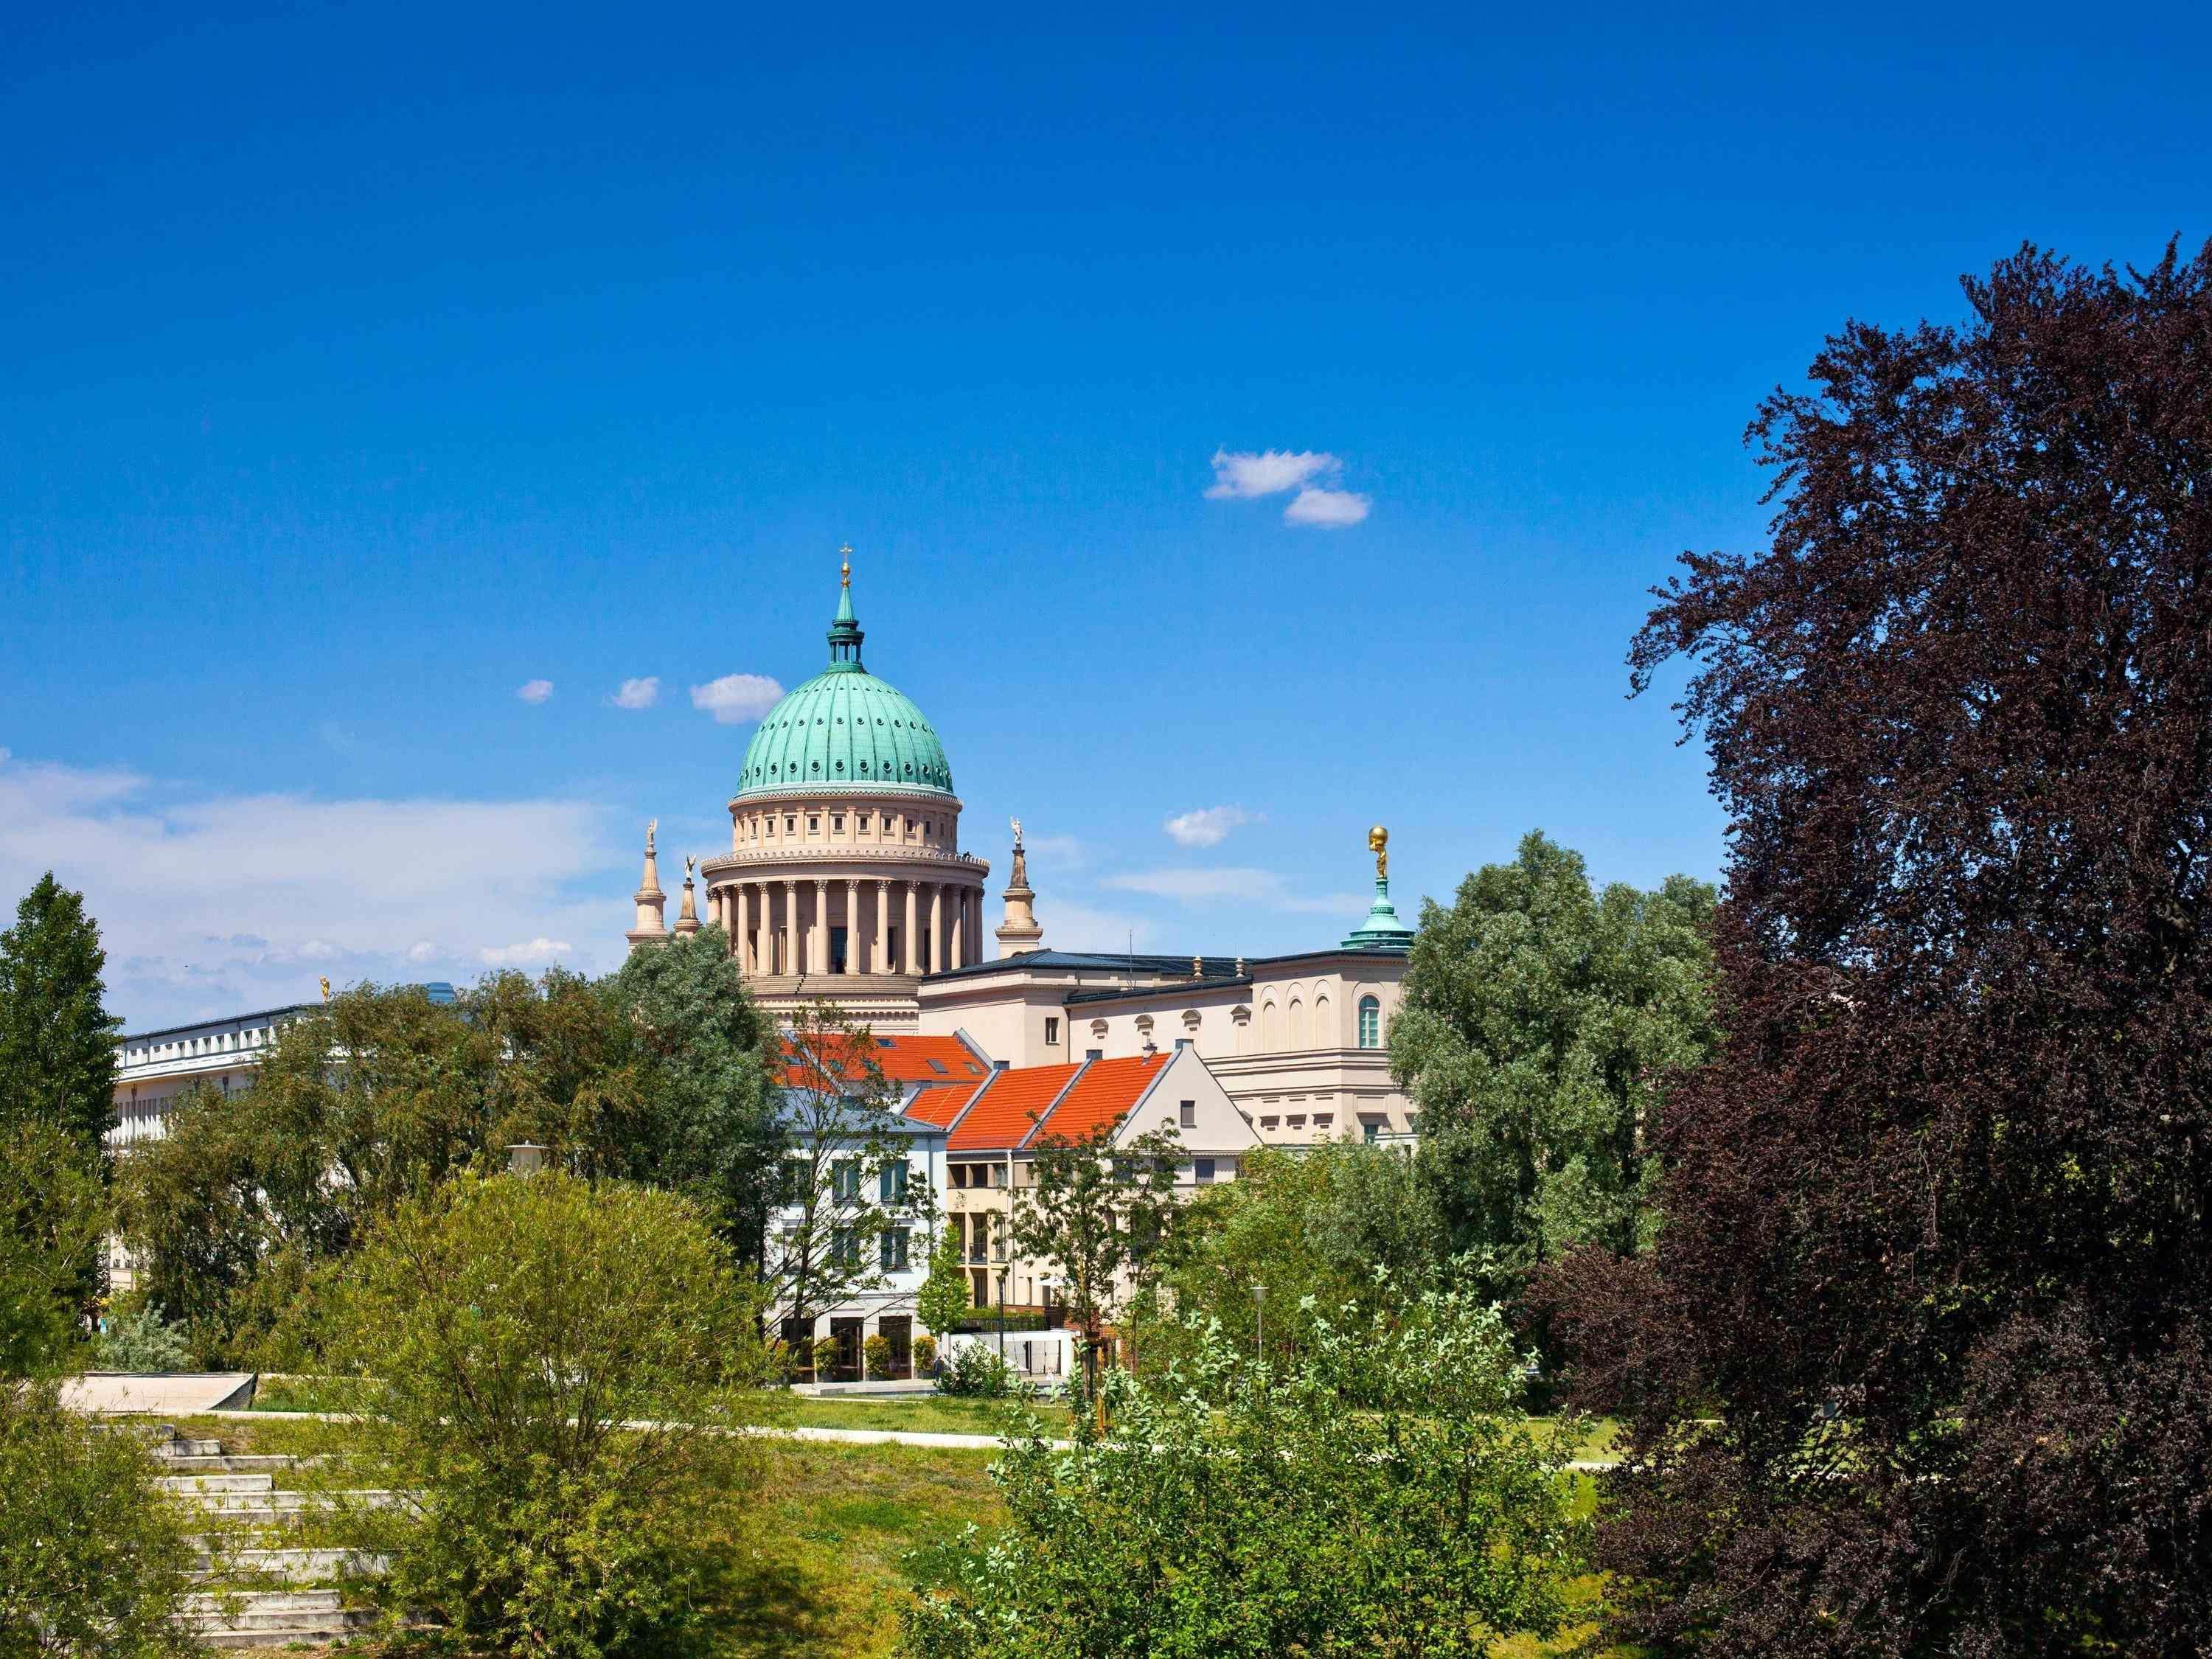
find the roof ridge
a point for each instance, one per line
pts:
(1037, 1129)
(982, 1088)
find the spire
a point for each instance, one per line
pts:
(652, 902)
(1382, 931)
(845, 636)
(1020, 931)
(687, 920)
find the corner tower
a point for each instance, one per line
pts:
(845, 880)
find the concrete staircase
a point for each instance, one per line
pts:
(261, 1590)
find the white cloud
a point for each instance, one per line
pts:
(1207, 826)
(1326, 509)
(1243, 475)
(736, 698)
(528, 954)
(1231, 884)
(534, 691)
(1078, 927)
(227, 903)
(639, 694)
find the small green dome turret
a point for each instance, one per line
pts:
(845, 730)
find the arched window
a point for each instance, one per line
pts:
(1371, 1023)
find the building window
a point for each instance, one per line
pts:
(1187, 1114)
(1202, 1171)
(790, 824)
(862, 823)
(813, 823)
(890, 1184)
(1297, 1120)
(837, 823)
(845, 1247)
(1370, 1131)
(891, 1255)
(1371, 1023)
(845, 1180)
(1051, 1030)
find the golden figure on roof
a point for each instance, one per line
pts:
(1378, 843)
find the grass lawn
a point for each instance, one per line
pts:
(928, 1413)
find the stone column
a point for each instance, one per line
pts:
(956, 955)
(817, 931)
(936, 928)
(855, 962)
(913, 950)
(881, 952)
(787, 935)
(714, 907)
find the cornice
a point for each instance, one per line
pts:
(828, 862)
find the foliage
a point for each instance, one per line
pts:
(925, 1353)
(1948, 1176)
(843, 1142)
(1319, 1223)
(551, 1362)
(92, 1556)
(976, 1371)
(139, 1340)
(52, 1214)
(877, 1351)
(947, 1295)
(1098, 1214)
(1540, 1021)
(1369, 1499)
(57, 1037)
(236, 1213)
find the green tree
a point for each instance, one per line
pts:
(846, 1184)
(52, 1214)
(553, 1363)
(93, 1562)
(1540, 1024)
(1377, 1497)
(1313, 1228)
(57, 1037)
(945, 1298)
(1097, 1213)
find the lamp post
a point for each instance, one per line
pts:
(1002, 1316)
(525, 1158)
(1260, 1323)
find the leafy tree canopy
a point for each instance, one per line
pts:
(53, 1213)
(1948, 1179)
(57, 1037)
(1539, 1023)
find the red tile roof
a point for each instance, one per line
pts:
(902, 1060)
(1102, 1095)
(937, 1103)
(1001, 1114)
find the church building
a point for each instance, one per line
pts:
(845, 882)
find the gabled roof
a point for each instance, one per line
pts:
(1102, 1095)
(1000, 1115)
(902, 1059)
(937, 1104)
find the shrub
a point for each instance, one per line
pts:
(138, 1340)
(93, 1558)
(1378, 1498)
(976, 1372)
(925, 1353)
(551, 1362)
(876, 1350)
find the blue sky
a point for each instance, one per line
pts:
(366, 363)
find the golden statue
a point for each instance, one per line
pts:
(1378, 843)
(326, 990)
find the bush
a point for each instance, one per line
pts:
(1375, 1498)
(976, 1372)
(52, 1215)
(138, 1340)
(93, 1558)
(925, 1353)
(552, 1363)
(877, 1351)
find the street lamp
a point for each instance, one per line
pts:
(525, 1158)
(1260, 1323)
(1002, 1316)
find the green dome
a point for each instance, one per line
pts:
(845, 730)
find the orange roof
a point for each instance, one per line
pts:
(937, 1103)
(1102, 1095)
(902, 1060)
(1000, 1115)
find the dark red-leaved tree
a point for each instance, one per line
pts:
(1923, 1362)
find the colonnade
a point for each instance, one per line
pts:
(781, 925)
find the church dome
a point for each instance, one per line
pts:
(845, 730)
